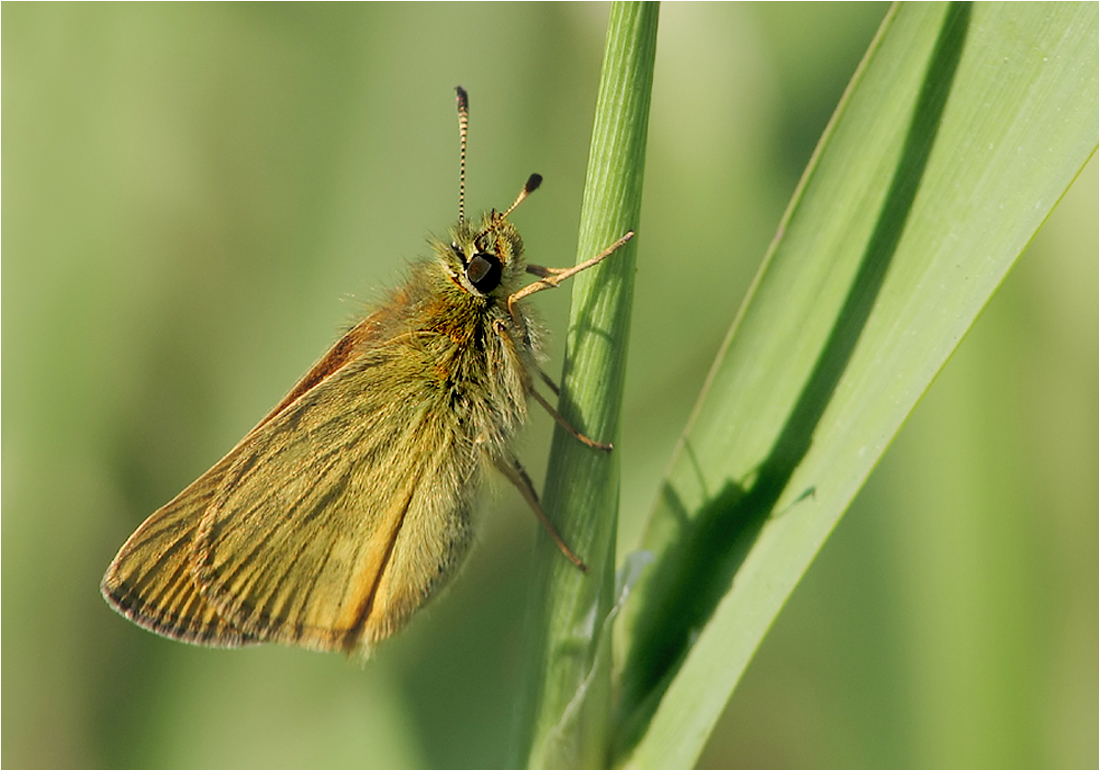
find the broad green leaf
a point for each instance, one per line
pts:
(959, 133)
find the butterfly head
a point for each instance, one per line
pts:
(487, 257)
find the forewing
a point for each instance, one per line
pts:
(151, 582)
(342, 513)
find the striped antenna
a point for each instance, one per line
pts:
(463, 126)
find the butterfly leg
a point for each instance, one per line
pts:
(542, 272)
(566, 425)
(512, 469)
(549, 382)
(499, 328)
(551, 277)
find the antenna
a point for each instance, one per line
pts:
(529, 187)
(463, 126)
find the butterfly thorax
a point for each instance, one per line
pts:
(469, 350)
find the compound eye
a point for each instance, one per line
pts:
(484, 272)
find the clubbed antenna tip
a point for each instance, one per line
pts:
(529, 187)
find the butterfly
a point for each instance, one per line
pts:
(348, 506)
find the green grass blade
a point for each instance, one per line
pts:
(960, 132)
(568, 652)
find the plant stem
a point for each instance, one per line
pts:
(565, 716)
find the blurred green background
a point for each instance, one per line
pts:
(196, 198)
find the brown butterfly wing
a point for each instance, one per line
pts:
(342, 514)
(151, 580)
